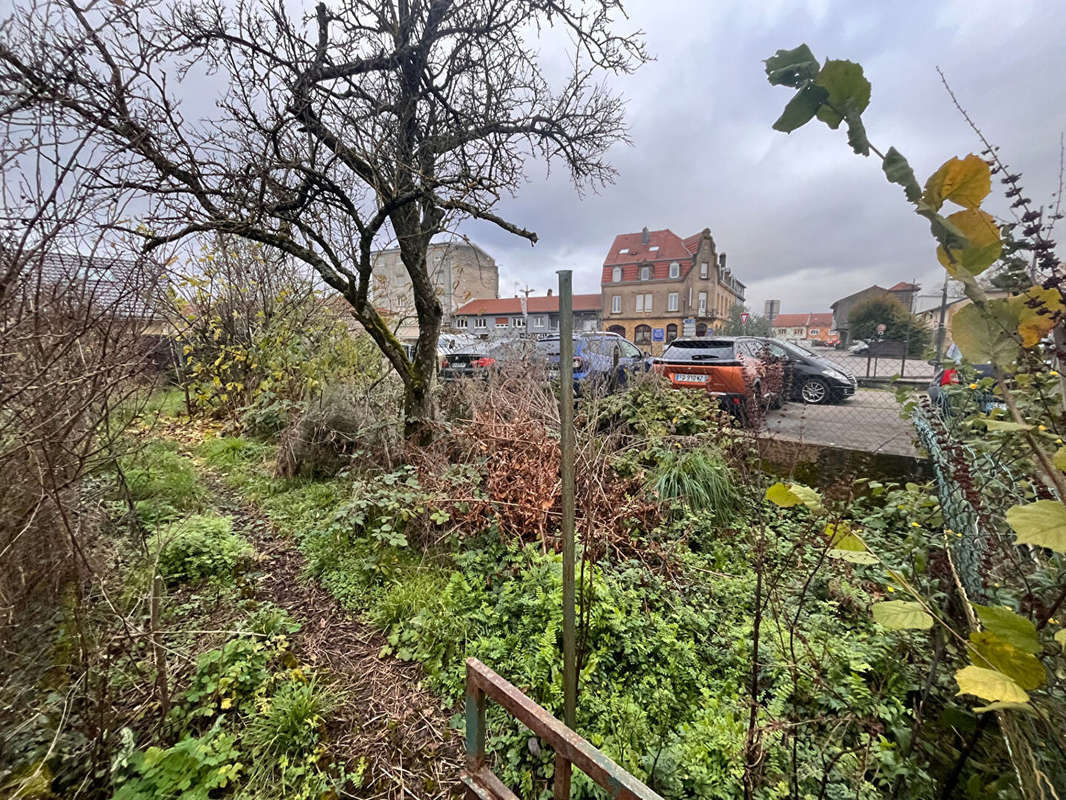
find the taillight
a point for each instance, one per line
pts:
(484, 362)
(578, 364)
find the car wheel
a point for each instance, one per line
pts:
(814, 391)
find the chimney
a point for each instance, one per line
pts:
(644, 236)
(549, 293)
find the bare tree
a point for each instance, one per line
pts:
(364, 120)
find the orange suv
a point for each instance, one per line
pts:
(736, 369)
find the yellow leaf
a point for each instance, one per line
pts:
(964, 181)
(1060, 637)
(1060, 459)
(983, 243)
(226, 702)
(1042, 524)
(988, 684)
(989, 650)
(1038, 311)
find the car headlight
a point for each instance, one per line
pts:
(835, 375)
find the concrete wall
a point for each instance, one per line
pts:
(460, 272)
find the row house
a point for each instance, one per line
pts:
(533, 316)
(805, 329)
(657, 286)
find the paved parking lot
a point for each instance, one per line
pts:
(868, 422)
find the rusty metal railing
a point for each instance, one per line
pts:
(482, 783)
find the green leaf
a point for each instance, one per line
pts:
(898, 170)
(848, 91)
(1010, 627)
(984, 338)
(791, 67)
(801, 108)
(1060, 637)
(857, 133)
(1001, 706)
(965, 181)
(900, 615)
(1006, 425)
(1042, 523)
(808, 496)
(1059, 459)
(989, 650)
(989, 685)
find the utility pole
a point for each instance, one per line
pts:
(525, 308)
(940, 330)
(566, 475)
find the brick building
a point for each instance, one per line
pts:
(657, 286)
(461, 272)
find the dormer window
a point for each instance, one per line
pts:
(675, 269)
(645, 273)
(654, 248)
(624, 251)
(616, 275)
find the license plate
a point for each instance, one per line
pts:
(685, 377)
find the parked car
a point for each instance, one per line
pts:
(736, 370)
(809, 377)
(467, 363)
(595, 357)
(858, 346)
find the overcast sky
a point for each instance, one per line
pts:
(802, 218)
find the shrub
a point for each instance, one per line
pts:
(201, 547)
(332, 431)
(700, 480)
(192, 769)
(289, 723)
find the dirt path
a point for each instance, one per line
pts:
(387, 717)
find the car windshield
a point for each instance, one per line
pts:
(585, 344)
(700, 350)
(799, 350)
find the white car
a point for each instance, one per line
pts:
(858, 347)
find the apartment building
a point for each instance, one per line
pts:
(657, 286)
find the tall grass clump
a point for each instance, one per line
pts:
(700, 481)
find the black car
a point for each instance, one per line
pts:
(810, 377)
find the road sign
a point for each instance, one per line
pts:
(658, 334)
(744, 317)
(688, 326)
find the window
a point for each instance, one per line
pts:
(629, 350)
(701, 328)
(619, 329)
(642, 334)
(624, 251)
(654, 248)
(645, 273)
(640, 303)
(616, 304)
(616, 275)
(643, 303)
(538, 322)
(703, 269)
(518, 322)
(480, 322)
(555, 323)
(671, 332)
(647, 303)
(814, 332)
(675, 269)
(671, 301)
(460, 322)
(702, 308)
(689, 306)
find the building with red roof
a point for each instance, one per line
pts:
(804, 328)
(657, 286)
(527, 315)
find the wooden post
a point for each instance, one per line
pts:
(566, 474)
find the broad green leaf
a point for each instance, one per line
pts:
(1038, 310)
(801, 108)
(779, 495)
(1042, 523)
(848, 90)
(900, 615)
(965, 181)
(989, 685)
(988, 650)
(1059, 459)
(898, 170)
(1010, 627)
(984, 338)
(1060, 637)
(1025, 708)
(983, 243)
(808, 496)
(791, 67)
(1006, 425)
(847, 546)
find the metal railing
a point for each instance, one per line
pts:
(570, 749)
